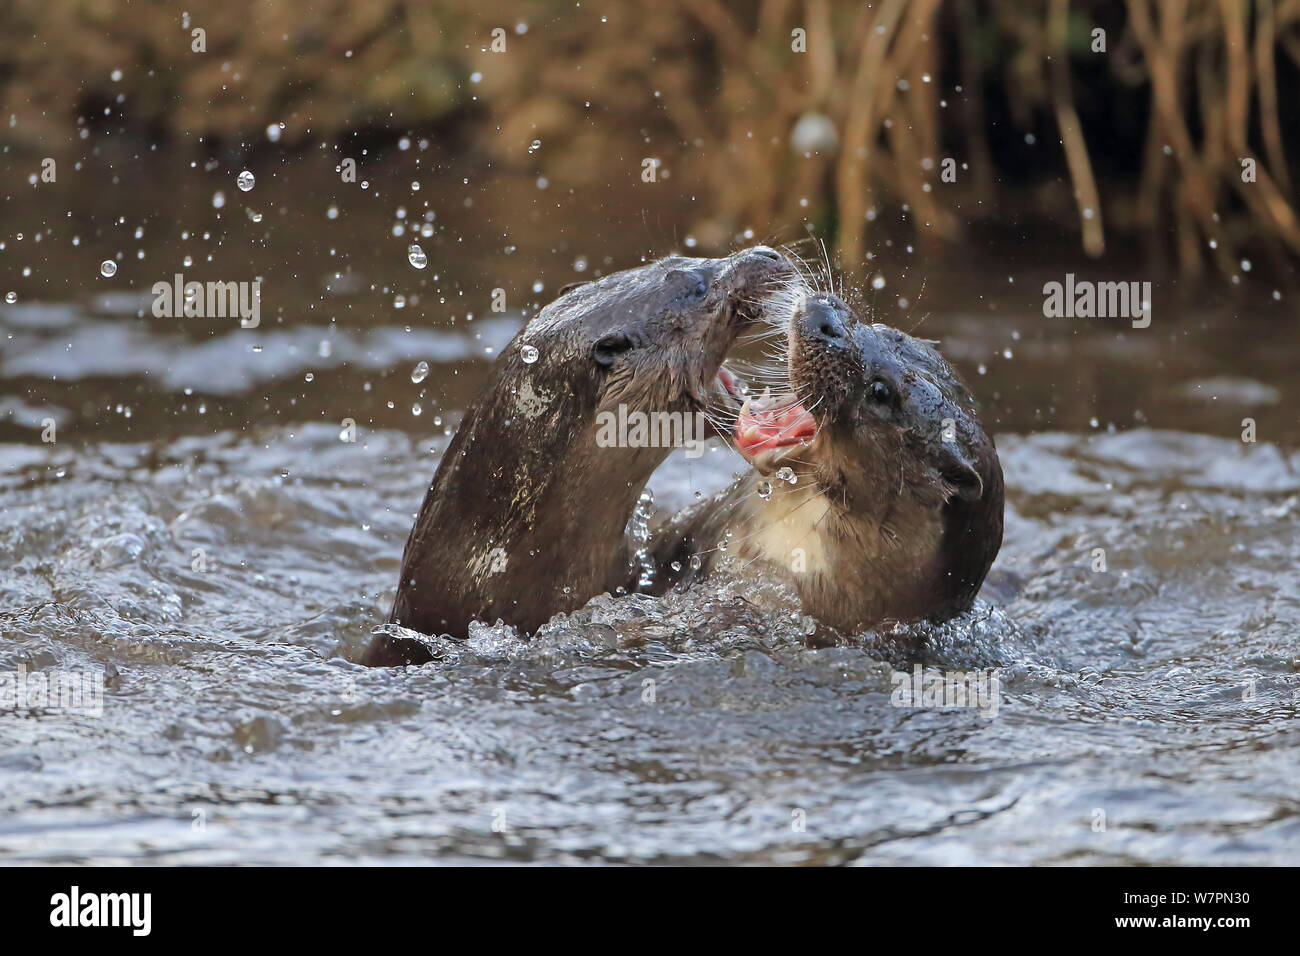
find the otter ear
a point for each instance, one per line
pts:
(960, 475)
(968, 485)
(607, 350)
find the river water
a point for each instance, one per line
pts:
(199, 534)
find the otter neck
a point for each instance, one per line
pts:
(806, 530)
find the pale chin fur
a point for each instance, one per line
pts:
(793, 518)
(801, 532)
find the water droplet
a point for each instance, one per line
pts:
(878, 282)
(420, 373)
(273, 132)
(416, 409)
(765, 490)
(416, 257)
(535, 146)
(245, 181)
(11, 297)
(218, 199)
(696, 563)
(332, 212)
(787, 474)
(1245, 265)
(108, 268)
(529, 354)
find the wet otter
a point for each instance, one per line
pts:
(886, 503)
(526, 514)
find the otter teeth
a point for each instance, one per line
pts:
(762, 403)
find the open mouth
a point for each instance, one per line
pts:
(768, 429)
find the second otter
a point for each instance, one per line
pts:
(525, 517)
(887, 497)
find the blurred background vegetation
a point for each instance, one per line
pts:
(784, 112)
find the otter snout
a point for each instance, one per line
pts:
(821, 323)
(749, 277)
(757, 265)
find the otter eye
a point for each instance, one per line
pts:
(881, 393)
(692, 284)
(610, 348)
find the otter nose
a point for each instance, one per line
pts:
(823, 323)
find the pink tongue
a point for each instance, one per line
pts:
(764, 427)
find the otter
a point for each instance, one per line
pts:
(527, 512)
(875, 488)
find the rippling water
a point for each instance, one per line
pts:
(201, 534)
(230, 691)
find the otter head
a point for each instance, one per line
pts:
(654, 338)
(649, 340)
(889, 410)
(890, 435)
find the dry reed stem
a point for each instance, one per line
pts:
(1067, 119)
